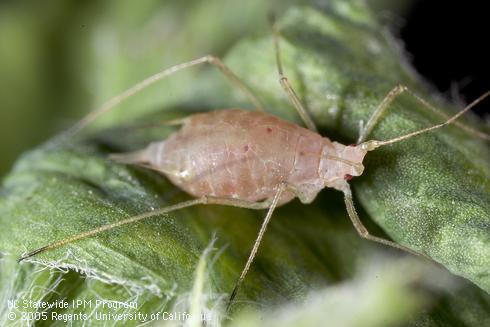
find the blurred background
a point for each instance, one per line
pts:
(59, 59)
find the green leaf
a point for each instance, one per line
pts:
(429, 193)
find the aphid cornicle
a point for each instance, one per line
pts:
(252, 159)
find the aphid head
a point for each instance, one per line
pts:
(341, 164)
(353, 156)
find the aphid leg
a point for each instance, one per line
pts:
(292, 96)
(363, 232)
(391, 96)
(373, 144)
(256, 245)
(172, 122)
(373, 120)
(185, 204)
(215, 61)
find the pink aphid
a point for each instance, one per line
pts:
(252, 159)
(239, 154)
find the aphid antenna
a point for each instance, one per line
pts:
(374, 144)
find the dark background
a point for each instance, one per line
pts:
(449, 45)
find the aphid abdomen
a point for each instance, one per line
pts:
(238, 154)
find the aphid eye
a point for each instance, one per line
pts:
(269, 129)
(347, 177)
(245, 148)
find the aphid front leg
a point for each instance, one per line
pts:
(374, 144)
(375, 117)
(287, 87)
(388, 100)
(362, 230)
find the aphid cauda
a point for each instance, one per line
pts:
(252, 159)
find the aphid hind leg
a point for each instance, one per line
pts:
(215, 61)
(205, 200)
(172, 122)
(388, 100)
(364, 233)
(286, 85)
